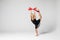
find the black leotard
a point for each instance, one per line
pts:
(36, 23)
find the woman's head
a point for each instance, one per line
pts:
(32, 12)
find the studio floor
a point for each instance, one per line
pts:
(29, 36)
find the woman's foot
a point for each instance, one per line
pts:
(36, 34)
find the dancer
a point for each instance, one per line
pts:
(34, 19)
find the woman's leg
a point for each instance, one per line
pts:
(36, 31)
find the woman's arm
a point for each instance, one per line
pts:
(31, 15)
(40, 15)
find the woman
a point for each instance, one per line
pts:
(36, 21)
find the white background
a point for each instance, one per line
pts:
(15, 17)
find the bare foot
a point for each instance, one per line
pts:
(36, 34)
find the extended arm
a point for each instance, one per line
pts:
(31, 16)
(40, 15)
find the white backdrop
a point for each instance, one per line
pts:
(14, 16)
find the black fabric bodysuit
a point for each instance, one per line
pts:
(36, 23)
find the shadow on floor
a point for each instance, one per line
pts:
(48, 29)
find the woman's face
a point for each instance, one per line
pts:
(32, 12)
(33, 16)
